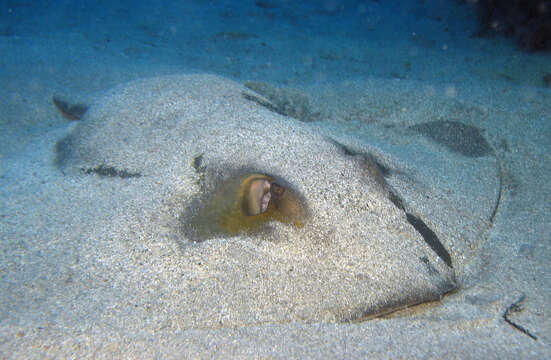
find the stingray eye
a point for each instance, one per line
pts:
(277, 190)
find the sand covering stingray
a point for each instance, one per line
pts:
(356, 255)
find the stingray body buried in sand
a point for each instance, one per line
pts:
(289, 226)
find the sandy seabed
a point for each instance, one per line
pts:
(101, 266)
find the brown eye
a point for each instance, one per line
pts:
(277, 190)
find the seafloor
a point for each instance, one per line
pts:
(411, 156)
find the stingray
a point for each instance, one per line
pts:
(460, 138)
(69, 111)
(272, 222)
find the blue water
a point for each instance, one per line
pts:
(279, 41)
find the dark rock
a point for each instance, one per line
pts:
(528, 21)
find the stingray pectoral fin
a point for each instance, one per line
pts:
(69, 111)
